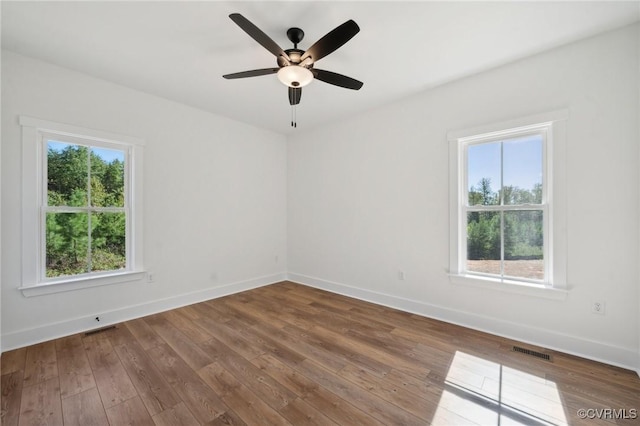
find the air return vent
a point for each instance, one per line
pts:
(100, 330)
(529, 352)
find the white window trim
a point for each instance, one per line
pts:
(555, 285)
(32, 284)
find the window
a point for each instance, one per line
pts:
(505, 206)
(81, 207)
(85, 209)
(506, 203)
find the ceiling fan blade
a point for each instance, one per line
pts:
(337, 79)
(252, 73)
(295, 94)
(331, 41)
(258, 35)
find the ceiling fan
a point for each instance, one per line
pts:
(296, 67)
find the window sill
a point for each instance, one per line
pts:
(70, 284)
(513, 287)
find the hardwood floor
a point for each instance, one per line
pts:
(287, 354)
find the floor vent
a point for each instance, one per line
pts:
(540, 355)
(99, 330)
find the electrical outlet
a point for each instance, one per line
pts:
(401, 275)
(150, 277)
(597, 307)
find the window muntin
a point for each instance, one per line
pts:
(504, 206)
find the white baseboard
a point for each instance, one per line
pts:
(574, 345)
(32, 336)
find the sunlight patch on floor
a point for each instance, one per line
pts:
(488, 393)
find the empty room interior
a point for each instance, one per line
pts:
(385, 213)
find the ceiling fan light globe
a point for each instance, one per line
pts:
(295, 76)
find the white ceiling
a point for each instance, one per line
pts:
(180, 50)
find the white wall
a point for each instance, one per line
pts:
(365, 197)
(0, 224)
(369, 197)
(214, 201)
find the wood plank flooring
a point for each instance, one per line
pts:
(287, 354)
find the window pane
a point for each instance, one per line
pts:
(108, 242)
(522, 170)
(483, 173)
(483, 242)
(107, 177)
(67, 244)
(523, 244)
(67, 174)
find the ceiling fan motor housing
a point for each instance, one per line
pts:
(294, 57)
